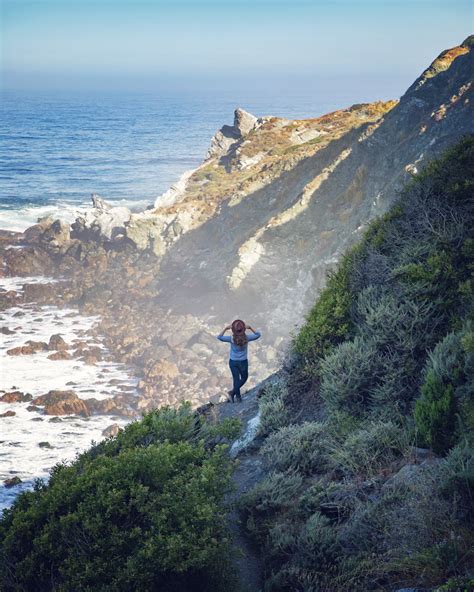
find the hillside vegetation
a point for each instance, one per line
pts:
(368, 435)
(365, 436)
(142, 511)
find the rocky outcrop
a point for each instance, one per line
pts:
(56, 236)
(441, 63)
(15, 397)
(265, 251)
(31, 347)
(228, 135)
(111, 431)
(62, 403)
(60, 355)
(12, 481)
(243, 158)
(57, 343)
(102, 220)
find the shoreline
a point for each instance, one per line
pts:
(68, 394)
(93, 406)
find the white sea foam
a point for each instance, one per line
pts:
(20, 435)
(21, 219)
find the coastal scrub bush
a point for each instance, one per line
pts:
(273, 412)
(277, 490)
(300, 447)
(400, 331)
(405, 529)
(348, 376)
(457, 584)
(457, 479)
(446, 394)
(435, 414)
(367, 450)
(317, 544)
(147, 516)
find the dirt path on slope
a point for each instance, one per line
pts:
(248, 471)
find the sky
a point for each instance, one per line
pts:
(186, 45)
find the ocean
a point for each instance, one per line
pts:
(56, 149)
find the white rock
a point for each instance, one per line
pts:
(103, 218)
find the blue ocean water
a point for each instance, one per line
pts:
(58, 148)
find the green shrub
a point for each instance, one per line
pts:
(406, 534)
(328, 322)
(348, 376)
(277, 490)
(457, 478)
(282, 537)
(299, 447)
(460, 584)
(447, 391)
(400, 333)
(273, 413)
(317, 545)
(159, 425)
(435, 414)
(141, 518)
(366, 451)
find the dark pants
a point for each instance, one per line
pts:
(240, 373)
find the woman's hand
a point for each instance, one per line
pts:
(224, 330)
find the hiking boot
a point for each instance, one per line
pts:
(230, 395)
(239, 399)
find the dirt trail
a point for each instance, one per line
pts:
(248, 471)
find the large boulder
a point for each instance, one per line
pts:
(15, 397)
(31, 347)
(146, 230)
(117, 405)
(162, 369)
(101, 221)
(12, 481)
(228, 136)
(60, 355)
(244, 121)
(58, 402)
(57, 343)
(111, 431)
(56, 236)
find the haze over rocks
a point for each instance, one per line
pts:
(251, 233)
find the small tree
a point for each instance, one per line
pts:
(435, 413)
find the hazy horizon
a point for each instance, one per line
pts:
(363, 50)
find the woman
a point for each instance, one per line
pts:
(238, 361)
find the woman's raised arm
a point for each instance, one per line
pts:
(224, 330)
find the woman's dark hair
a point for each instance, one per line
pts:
(240, 339)
(238, 333)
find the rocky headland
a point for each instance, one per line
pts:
(252, 232)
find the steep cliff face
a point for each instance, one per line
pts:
(254, 229)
